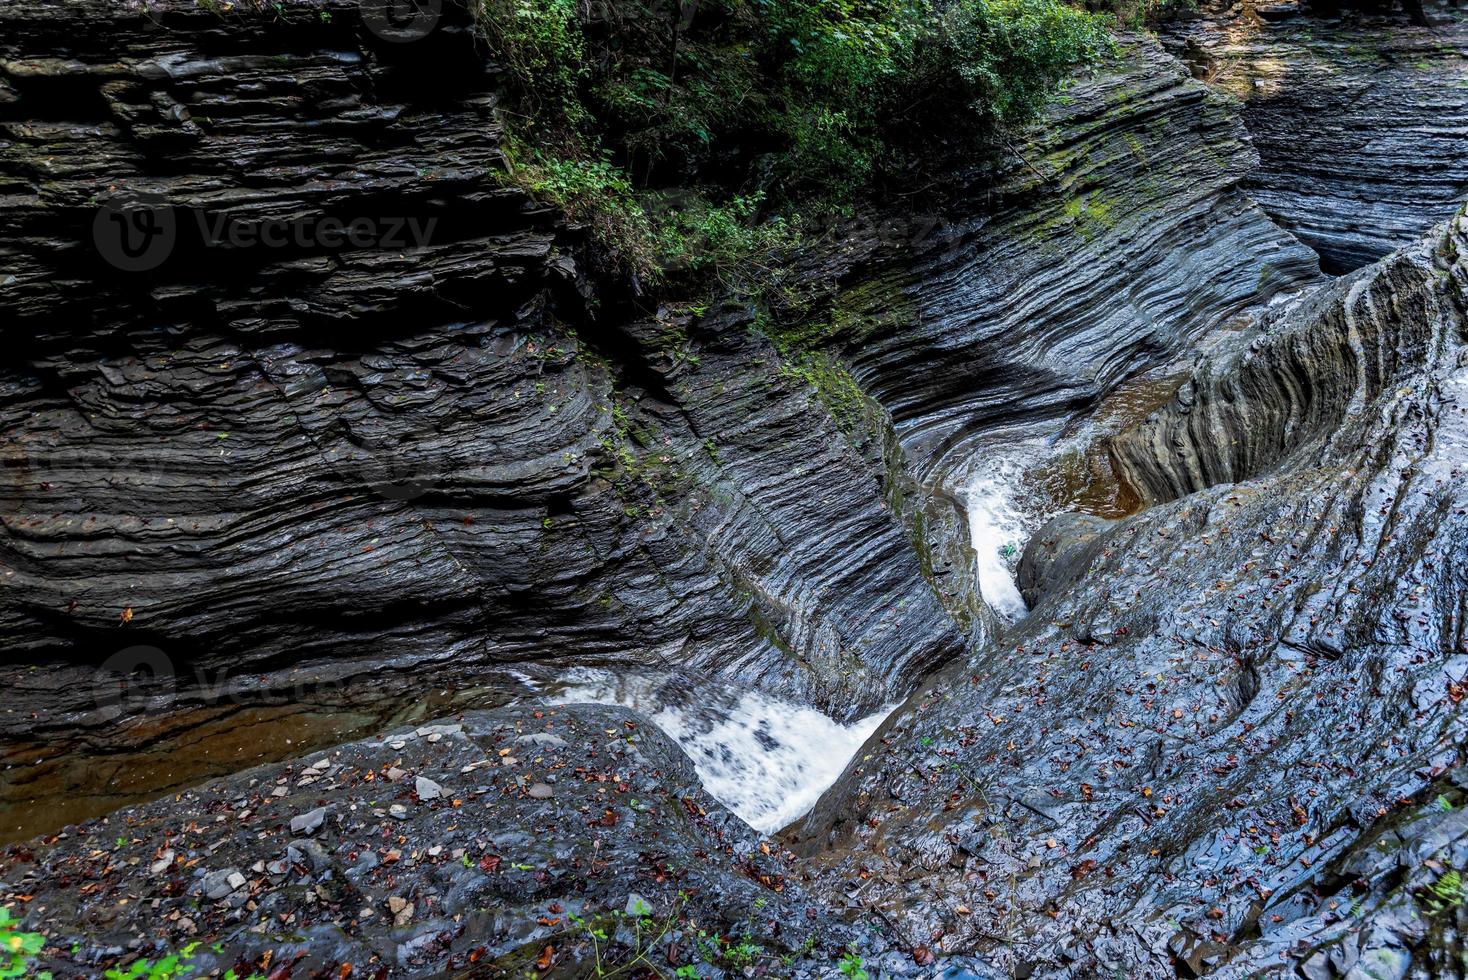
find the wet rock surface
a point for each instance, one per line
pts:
(282, 472)
(1118, 238)
(1359, 119)
(1169, 760)
(250, 480)
(549, 822)
(319, 483)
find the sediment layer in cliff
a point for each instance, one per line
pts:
(1359, 118)
(1223, 704)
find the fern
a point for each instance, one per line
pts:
(1449, 887)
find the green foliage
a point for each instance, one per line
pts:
(703, 238)
(740, 955)
(595, 192)
(647, 934)
(169, 967)
(1000, 59)
(17, 949)
(766, 106)
(852, 967)
(542, 44)
(1446, 892)
(1143, 13)
(650, 235)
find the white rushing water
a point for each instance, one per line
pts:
(765, 759)
(998, 526)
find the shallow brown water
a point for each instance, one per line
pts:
(44, 786)
(1085, 479)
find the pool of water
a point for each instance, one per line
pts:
(47, 784)
(1018, 480)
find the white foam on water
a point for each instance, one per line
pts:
(765, 759)
(998, 526)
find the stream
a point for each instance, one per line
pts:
(1001, 518)
(1017, 479)
(767, 760)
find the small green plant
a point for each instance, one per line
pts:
(852, 967)
(18, 949)
(1446, 892)
(742, 954)
(647, 936)
(169, 967)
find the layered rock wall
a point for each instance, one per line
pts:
(1359, 119)
(1215, 714)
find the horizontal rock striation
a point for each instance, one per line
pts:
(1197, 734)
(1118, 237)
(1359, 120)
(302, 466)
(323, 470)
(346, 474)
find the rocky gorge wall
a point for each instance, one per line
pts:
(1191, 751)
(347, 476)
(310, 476)
(320, 473)
(1358, 117)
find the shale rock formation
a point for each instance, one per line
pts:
(304, 465)
(1119, 237)
(490, 846)
(1359, 119)
(1235, 723)
(286, 471)
(340, 475)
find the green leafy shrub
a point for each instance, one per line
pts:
(706, 238)
(767, 106)
(18, 949)
(996, 61)
(597, 193)
(542, 44)
(1143, 13)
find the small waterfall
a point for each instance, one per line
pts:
(998, 525)
(765, 759)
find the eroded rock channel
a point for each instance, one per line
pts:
(442, 611)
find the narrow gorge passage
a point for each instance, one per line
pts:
(1017, 480)
(916, 489)
(1000, 522)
